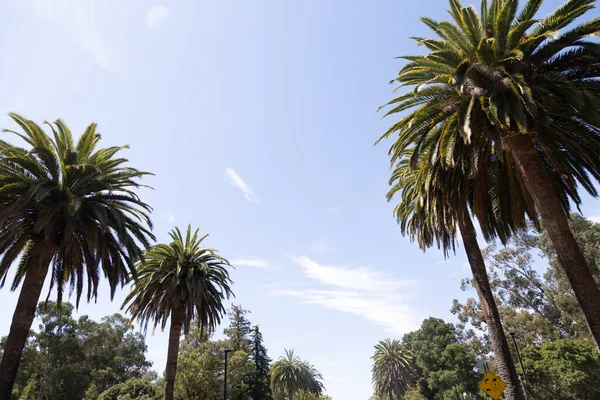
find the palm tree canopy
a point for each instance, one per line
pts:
(392, 366)
(500, 72)
(180, 274)
(75, 202)
(291, 373)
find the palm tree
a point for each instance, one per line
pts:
(507, 81)
(181, 280)
(290, 374)
(68, 208)
(392, 368)
(435, 200)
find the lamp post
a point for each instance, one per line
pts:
(225, 380)
(526, 386)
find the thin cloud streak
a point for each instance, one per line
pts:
(236, 180)
(255, 262)
(363, 292)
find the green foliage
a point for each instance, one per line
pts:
(563, 370)
(200, 368)
(75, 359)
(392, 368)
(259, 380)
(289, 375)
(73, 203)
(182, 274)
(133, 389)
(444, 363)
(239, 329)
(537, 308)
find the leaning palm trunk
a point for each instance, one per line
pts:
(556, 224)
(21, 322)
(505, 364)
(177, 318)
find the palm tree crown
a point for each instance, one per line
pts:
(180, 275)
(290, 374)
(498, 73)
(74, 203)
(392, 366)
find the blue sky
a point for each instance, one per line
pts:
(258, 119)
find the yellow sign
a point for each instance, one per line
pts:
(492, 385)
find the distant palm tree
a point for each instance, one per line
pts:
(392, 368)
(289, 374)
(183, 281)
(68, 208)
(506, 82)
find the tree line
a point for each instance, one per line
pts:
(81, 359)
(537, 306)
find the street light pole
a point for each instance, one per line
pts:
(225, 380)
(526, 384)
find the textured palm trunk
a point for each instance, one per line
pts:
(290, 393)
(173, 352)
(22, 320)
(556, 224)
(504, 361)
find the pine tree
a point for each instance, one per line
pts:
(239, 329)
(259, 381)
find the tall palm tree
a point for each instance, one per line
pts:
(290, 374)
(507, 80)
(68, 208)
(392, 369)
(434, 202)
(181, 280)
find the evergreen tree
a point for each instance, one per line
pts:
(239, 329)
(259, 380)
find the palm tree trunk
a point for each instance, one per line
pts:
(481, 282)
(556, 223)
(173, 352)
(290, 393)
(22, 320)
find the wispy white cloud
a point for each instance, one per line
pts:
(360, 291)
(255, 262)
(237, 181)
(349, 278)
(157, 15)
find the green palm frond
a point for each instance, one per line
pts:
(393, 367)
(180, 275)
(484, 77)
(290, 374)
(75, 201)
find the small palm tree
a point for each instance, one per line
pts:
(392, 368)
(69, 208)
(289, 374)
(506, 82)
(181, 280)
